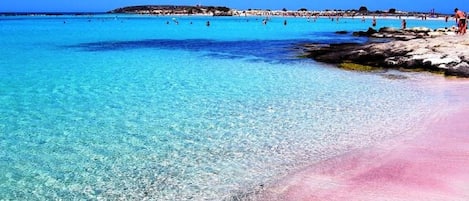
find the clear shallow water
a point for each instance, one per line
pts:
(128, 107)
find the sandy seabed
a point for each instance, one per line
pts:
(432, 166)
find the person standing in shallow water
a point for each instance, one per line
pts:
(404, 24)
(461, 20)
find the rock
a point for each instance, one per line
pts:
(407, 34)
(443, 67)
(395, 61)
(435, 34)
(439, 52)
(367, 33)
(371, 31)
(341, 32)
(436, 61)
(422, 34)
(451, 33)
(389, 30)
(391, 62)
(420, 29)
(360, 33)
(378, 35)
(461, 70)
(419, 51)
(441, 30)
(405, 37)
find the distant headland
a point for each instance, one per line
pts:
(225, 11)
(175, 10)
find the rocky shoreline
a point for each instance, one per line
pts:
(421, 48)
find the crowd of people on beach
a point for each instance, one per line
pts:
(460, 16)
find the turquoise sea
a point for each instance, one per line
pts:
(128, 107)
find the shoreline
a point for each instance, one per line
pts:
(430, 166)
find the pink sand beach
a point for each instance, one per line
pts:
(431, 166)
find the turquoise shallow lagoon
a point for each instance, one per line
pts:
(129, 107)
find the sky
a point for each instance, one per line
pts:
(440, 6)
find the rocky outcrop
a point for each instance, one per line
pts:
(416, 48)
(406, 34)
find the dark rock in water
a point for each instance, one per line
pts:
(358, 53)
(367, 33)
(341, 32)
(331, 53)
(461, 69)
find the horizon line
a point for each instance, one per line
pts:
(260, 9)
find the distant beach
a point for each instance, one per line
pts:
(303, 12)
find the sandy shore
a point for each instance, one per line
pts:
(433, 166)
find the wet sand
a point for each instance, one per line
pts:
(432, 166)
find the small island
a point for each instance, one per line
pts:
(175, 10)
